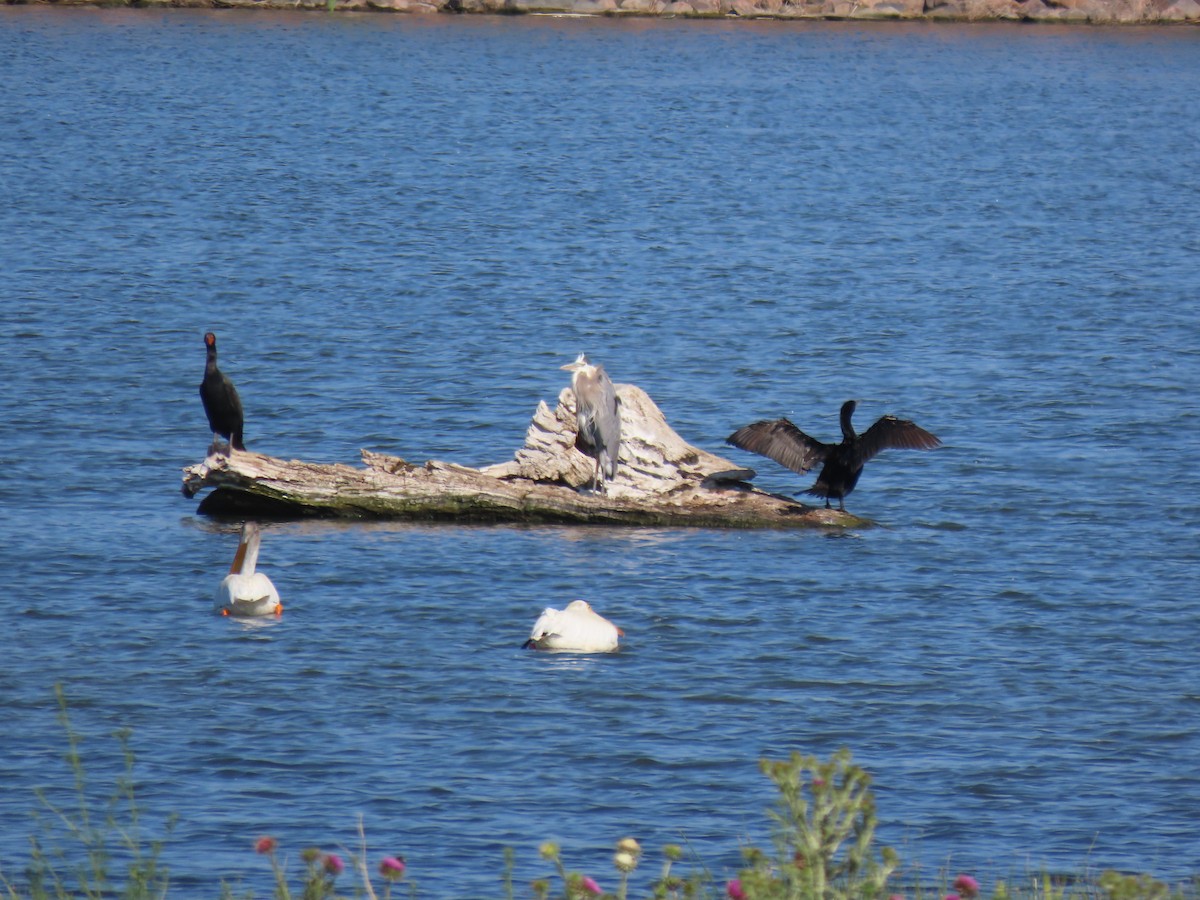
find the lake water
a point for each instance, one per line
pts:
(400, 227)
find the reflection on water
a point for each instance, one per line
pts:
(254, 623)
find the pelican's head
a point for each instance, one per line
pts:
(581, 363)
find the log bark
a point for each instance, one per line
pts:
(661, 481)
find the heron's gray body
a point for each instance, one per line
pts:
(598, 417)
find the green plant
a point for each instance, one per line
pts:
(1117, 886)
(101, 840)
(824, 834)
(321, 871)
(824, 831)
(628, 854)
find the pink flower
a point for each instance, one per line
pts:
(590, 886)
(265, 845)
(952, 897)
(967, 886)
(391, 868)
(734, 890)
(334, 865)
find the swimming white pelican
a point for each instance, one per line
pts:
(578, 627)
(244, 592)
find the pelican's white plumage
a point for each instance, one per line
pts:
(245, 592)
(578, 628)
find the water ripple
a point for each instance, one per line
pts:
(746, 220)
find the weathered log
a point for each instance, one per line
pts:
(661, 481)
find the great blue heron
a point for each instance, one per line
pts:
(245, 592)
(788, 445)
(578, 627)
(220, 398)
(598, 418)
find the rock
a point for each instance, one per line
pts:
(892, 9)
(540, 6)
(644, 7)
(879, 11)
(1182, 11)
(1106, 12)
(406, 6)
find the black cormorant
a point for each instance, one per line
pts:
(843, 463)
(221, 402)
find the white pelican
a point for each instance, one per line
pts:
(244, 592)
(578, 627)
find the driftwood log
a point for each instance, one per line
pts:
(661, 481)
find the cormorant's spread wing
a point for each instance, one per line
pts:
(890, 433)
(781, 441)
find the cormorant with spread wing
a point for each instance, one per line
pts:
(783, 442)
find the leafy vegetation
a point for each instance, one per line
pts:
(824, 825)
(104, 854)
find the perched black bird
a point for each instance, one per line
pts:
(221, 402)
(788, 445)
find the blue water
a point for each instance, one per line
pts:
(399, 228)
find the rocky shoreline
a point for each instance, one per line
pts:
(1084, 12)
